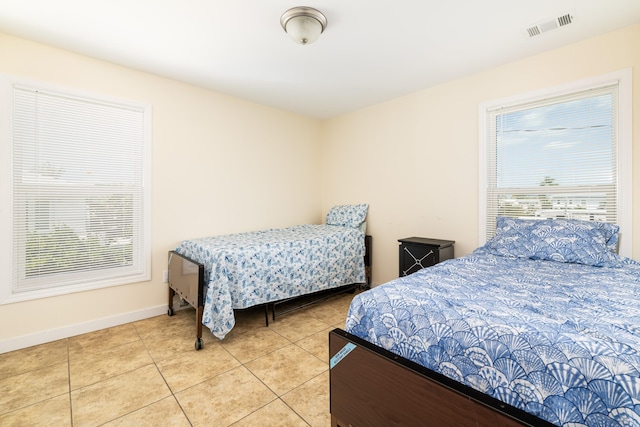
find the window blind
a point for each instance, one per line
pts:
(78, 191)
(554, 158)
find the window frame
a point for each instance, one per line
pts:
(90, 282)
(621, 78)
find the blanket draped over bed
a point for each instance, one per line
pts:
(247, 269)
(558, 340)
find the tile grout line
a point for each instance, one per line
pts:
(277, 396)
(172, 394)
(69, 382)
(124, 373)
(155, 363)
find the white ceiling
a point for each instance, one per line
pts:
(370, 52)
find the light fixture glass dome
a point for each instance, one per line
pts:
(303, 24)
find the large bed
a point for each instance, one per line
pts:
(540, 326)
(220, 274)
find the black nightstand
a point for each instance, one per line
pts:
(417, 253)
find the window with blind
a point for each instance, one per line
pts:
(559, 155)
(79, 192)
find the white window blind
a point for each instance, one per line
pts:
(556, 157)
(80, 197)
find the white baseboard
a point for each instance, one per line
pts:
(79, 328)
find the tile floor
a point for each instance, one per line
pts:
(148, 373)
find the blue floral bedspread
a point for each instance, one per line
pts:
(558, 340)
(247, 269)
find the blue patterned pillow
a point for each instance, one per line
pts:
(610, 234)
(582, 242)
(610, 230)
(347, 215)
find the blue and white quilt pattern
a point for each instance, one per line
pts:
(558, 340)
(247, 269)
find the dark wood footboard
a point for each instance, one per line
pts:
(370, 386)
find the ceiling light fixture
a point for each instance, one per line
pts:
(303, 24)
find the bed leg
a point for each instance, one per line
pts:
(266, 314)
(172, 293)
(199, 343)
(368, 244)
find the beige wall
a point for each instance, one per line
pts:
(219, 165)
(415, 159)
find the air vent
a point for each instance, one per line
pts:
(550, 24)
(565, 19)
(533, 31)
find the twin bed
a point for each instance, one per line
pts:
(217, 275)
(540, 326)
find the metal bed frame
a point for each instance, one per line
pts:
(186, 279)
